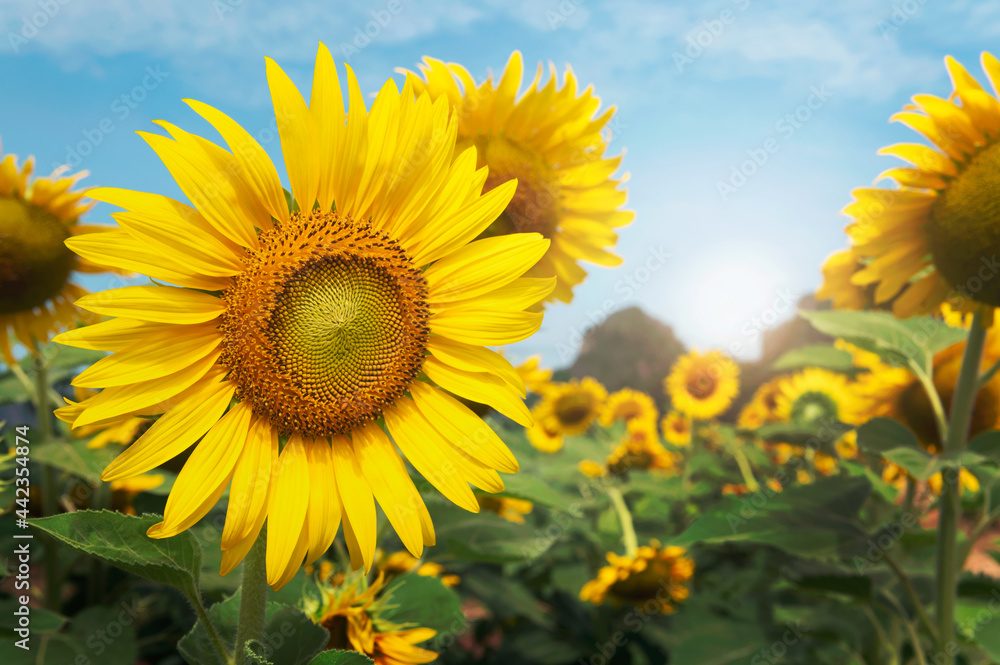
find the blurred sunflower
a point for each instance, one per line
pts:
(313, 328)
(763, 406)
(837, 287)
(627, 404)
(772, 484)
(509, 508)
(676, 428)
(565, 409)
(640, 454)
(703, 385)
(653, 580)
(817, 396)
(36, 217)
(124, 491)
(349, 613)
(896, 476)
(402, 562)
(552, 140)
(534, 376)
(927, 240)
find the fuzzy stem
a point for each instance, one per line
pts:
(625, 518)
(253, 597)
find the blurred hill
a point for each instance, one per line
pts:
(631, 349)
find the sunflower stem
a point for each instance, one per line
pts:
(985, 377)
(741, 460)
(253, 597)
(948, 513)
(940, 417)
(625, 519)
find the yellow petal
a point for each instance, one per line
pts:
(298, 133)
(483, 265)
(325, 510)
(159, 304)
(111, 335)
(474, 325)
(474, 358)
(356, 497)
(288, 501)
(479, 387)
(251, 479)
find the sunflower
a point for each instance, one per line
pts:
(772, 484)
(645, 454)
(676, 428)
(565, 409)
(896, 476)
(534, 376)
(299, 338)
(122, 432)
(763, 406)
(627, 404)
(402, 562)
(703, 385)
(349, 612)
(817, 396)
(552, 140)
(509, 508)
(653, 580)
(36, 217)
(838, 270)
(928, 239)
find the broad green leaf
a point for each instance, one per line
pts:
(121, 540)
(897, 444)
(341, 658)
(289, 635)
(911, 341)
(817, 520)
(987, 445)
(975, 623)
(42, 620)
(816, 355)
(417, 601)
(698, 635)
(882, 434)
(534, 489)
(486, 537)
(74, 457)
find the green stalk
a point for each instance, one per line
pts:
(213, 635)
(948, 513)
(253, 597)
(50, 493)
(625, 519)
(741, 460)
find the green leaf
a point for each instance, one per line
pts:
(485, 537)
(532, 488)
(911, 341)
(789, 432)
(508, 598)
(975, 624)
(109, 633)
(290, 637)
(897, 444)
(882, 434)
(121, 540)
(42, 620)
(417, 601)
(74, 457)
(987, 445)
(816, 355)
(698, 635)
(334, 657)
(817, 520)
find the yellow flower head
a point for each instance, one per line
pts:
(926, 240)
(676, 428)
(703, 385)
(818, 396)
(627, 404)
(763, 406)
(347, 612)
(553, 141)
(653, 580)
(509, 508)
(37, 216)
(838, 270)
(402, 562)
(291, 342)
(534, 376)
(565, 409)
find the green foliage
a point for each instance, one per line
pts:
(340, 658)
(816, 355)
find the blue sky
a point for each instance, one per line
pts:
(802, 89)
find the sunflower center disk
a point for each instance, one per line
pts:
(701, 384)
(574, 409)
(964, 228)
(34, 262)
(814, 408)
(535, 206)
(326, 327)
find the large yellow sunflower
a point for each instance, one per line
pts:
(703, 385)
(36, 217)
(296, 341)
(553, 141)
(932, 237)
(817, 396)
(565, 409)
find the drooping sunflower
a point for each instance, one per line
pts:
(703, 385)
(926, 240)
(552, 140)
(507, 507)
(298, 339)
(627, 404)
(36, 217)
(402, 562)
(654, 580)
(565, 409)
(676, 428)
(817, 396)
(349, 612)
